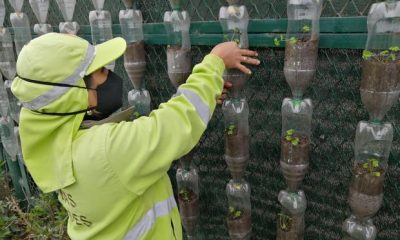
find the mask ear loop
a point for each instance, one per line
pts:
(60, 85)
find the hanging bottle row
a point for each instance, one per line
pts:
(380, 89)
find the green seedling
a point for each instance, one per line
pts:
(290, 138)
(285, 222)
(235, 36)
(231, 129)
(293, 40)
(372, 166)
(235, 213)
(184, 194)
(384, 56)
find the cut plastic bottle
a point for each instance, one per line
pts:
(290, 224)
(7, 57)
(237, 137)
(302, 41)
(239, 209)
(67, 8)
(141, 100)
(380, 84)
(8, 137)
(188, 196)
(40, 8)
(17, 5)
(234, 21)
(22, 30)
(295, 140)
(179, 59)
(101, 28)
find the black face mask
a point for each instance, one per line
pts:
(109, 98)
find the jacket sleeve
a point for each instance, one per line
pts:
(141, 152)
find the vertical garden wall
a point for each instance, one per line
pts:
(337, 108)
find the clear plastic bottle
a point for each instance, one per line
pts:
(67, 8)
(8, 137)
(290, 224)
(237, 137)
(141, 100)
(135, 56)
(380, 84)
(16, 4)
(40, 9)
(295, 141)
(179, 59)
(7, 57)
(234, 21)
(128, 3)
(4, 104)
(15, 105)
(101, 28)
(302, 41)
(2, 13)
(175, 4)
(187, 179)
(22, 30)
(239, 210)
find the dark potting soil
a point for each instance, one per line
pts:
(237, 144)
(135, 63)
(379, 76)
(295, 155)
(181, 61)
(294, 161)
(365, 182)
(300, 65)
(241, 227)
(366, 192)
(238, 80)
(293, 230)
(189, 211)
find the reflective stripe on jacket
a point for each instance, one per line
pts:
(122, 190)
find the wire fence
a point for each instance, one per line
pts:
(337, 110)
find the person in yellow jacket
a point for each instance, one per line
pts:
(111, 178)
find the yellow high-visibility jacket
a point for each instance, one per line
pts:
(122, 190)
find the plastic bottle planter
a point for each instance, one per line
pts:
(67, 8)
(135, 56)
(8, 138)
(40, 9)
(380, 84)
(239, 211)
(291, 218)
(141, 100)
(234, 21)
(295, 141)
(101, 26)
(7, 57)
(14, 104)
(302, 41)
(22, 30)
(179, 58)
(236, 113)
(372, 148)
(175, 4)
(188, 197)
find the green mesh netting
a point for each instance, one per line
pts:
(337, 110)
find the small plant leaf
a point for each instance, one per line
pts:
(295, 141)
(306, 29)
(365, 165)
(394, 49)
(367, 54)
(290, 132)
(377, 174)
(293, 40)
(383, 53)
(375, 163)
(288, 138)
(393, 57)
(282, 37)
(277, 43)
